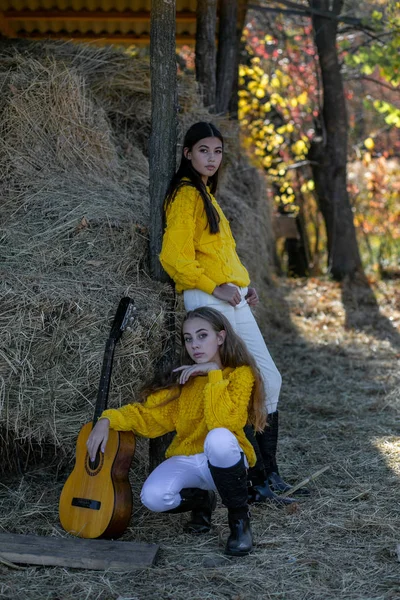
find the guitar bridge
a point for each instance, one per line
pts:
(86, 503)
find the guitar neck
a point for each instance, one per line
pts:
(105, 379)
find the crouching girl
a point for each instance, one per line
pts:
(217, 392)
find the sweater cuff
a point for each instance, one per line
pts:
(215, 376)
(112, 415)
(205, 284)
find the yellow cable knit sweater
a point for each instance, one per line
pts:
(191, 255)
(219, 399)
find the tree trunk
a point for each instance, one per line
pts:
(162, 153)
(162, 143)
(227, 56)
(330, 174)
(241, 20)
(206, 51)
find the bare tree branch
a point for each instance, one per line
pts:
(377, 81)
(300, 9)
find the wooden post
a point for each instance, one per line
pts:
(206, 51)
(162, 143)
(162, 162)
(241, 20)
(227, 56)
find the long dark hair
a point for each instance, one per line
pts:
(233, 353)
(185, 172)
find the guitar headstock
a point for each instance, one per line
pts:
(122, 319)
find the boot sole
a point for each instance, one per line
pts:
(238, 552)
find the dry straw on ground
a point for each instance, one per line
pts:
(339, 407)
(74, 127)
(74, 239)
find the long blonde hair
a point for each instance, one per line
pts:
(233, 353)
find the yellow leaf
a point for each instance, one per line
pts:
(303, 98)
(267, 161)
(299, 147)
(369, 143)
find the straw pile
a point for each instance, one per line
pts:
(340, 408)
(74, 125)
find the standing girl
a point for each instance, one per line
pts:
(218, 392)
(199, 254)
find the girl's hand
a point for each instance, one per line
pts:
(252, 297)
(194, 370)
(228, 293)
(98, 435)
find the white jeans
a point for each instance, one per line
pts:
(243, 322)
(161, 490)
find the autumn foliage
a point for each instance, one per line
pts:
(279, 109)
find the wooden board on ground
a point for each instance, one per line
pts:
(78, 553)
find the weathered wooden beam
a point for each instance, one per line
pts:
(112, 38)
(77, 553)
(5, 28)
(90, 15)
(164, 121)
(162, 162)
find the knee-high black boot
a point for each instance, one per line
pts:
(201, 503)
(231, 484)
(259, 489)
(267, 441)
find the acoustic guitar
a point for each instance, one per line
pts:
(96, 500)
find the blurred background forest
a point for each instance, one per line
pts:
(280, 108)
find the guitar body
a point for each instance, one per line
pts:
(96, 500)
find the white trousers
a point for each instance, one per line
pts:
(243, 322)
(161, 490)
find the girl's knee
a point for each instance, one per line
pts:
(221, 446)
(157, 500)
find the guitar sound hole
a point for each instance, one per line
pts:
(94, 464)
(94, 467)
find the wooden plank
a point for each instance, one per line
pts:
(100, 38)
(90, 15)
(78, 553)
(5, 28)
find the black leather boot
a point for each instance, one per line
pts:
(259, 489)
(258, 485)
(240, 541)
(231, 483)
(201, 503)
(268, 441)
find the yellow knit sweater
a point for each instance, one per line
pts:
(191, 255)
(219, 399)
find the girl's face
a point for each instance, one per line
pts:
(205, 156)
(202, 342)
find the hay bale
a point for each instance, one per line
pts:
(74, 124)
